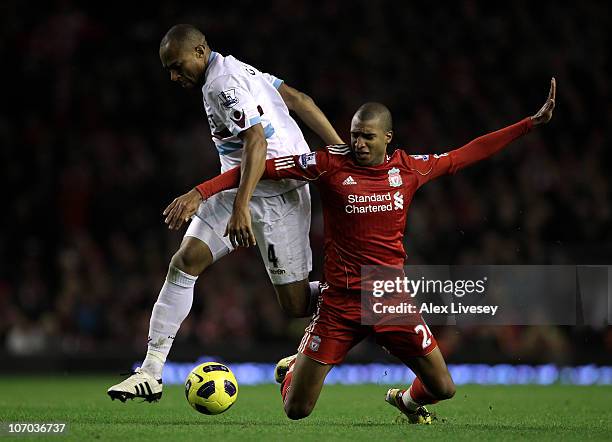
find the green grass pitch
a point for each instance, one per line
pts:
(343, 413)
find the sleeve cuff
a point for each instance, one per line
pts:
(252, 122)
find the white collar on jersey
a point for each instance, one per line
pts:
(211, 58)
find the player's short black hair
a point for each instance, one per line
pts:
(184, 35)
(373, 111)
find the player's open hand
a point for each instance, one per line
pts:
(182, 209)
(239, 228)
(545, 113)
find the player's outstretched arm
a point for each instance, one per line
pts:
(182, 208)
(305, 167)
(185, 206)
(489, 144)
(309, 113)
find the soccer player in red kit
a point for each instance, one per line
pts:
(365, 197)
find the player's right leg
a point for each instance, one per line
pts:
(433, 381)
(172, 307)
(417, 348)
(174, 301)
(202, 245)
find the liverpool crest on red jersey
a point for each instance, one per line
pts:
(395, 179)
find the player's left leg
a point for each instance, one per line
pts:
(333, 330)
(302, 386)
(281, 225)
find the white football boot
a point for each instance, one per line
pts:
(419, 416)
(139, 384)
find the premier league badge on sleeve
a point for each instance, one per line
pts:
(228, 98)
(395, 179)
(307, 159)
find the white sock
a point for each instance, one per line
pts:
(408, 402)
(315, 291)
(171, 308)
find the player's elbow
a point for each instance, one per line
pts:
(259, 153)
(259, 146)
(255, 141)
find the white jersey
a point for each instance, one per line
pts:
(238, 96)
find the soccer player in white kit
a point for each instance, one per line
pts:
(248, 114)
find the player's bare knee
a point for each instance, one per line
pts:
(190, 260)
(179, 261)
(450, 390)
(296, 411)
(445, 390)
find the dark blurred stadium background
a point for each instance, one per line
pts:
(96, 141)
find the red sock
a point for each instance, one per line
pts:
(286, 385)
(419, 394)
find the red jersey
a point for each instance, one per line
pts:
(365, 207)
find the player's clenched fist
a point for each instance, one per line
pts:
(182, 208)
(545, 113)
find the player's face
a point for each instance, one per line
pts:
(186, 65)
(369, 141)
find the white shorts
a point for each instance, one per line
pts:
(281, 225)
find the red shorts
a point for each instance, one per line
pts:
(336, 327)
